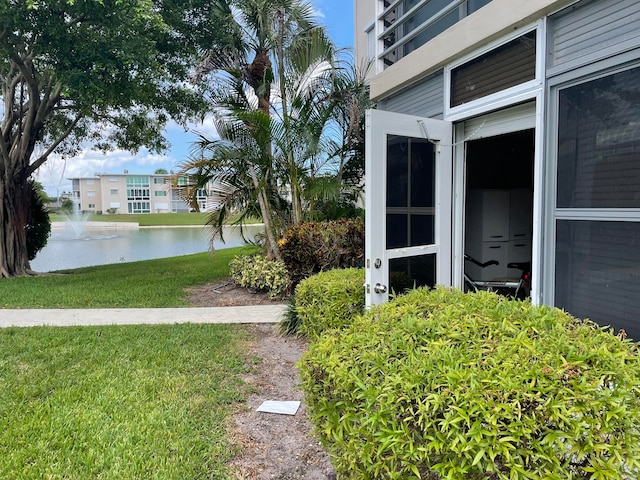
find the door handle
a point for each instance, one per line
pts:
(379, 288)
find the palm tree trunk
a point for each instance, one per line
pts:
(296, 199)
(265, 211)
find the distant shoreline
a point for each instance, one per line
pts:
(94, 225)
(130, 225)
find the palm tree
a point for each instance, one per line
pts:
(269, 137)
(338, 191)
(254, 29)
(239, 167)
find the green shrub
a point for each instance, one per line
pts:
(38, 222)
(310, 248)
(441, 384)
(290, 323)
(259, 273)
(329, 300)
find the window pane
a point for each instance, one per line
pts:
(424, 13)
(410, 192)
(598, 272)
(397, 171)
(422, 230)
(422, 173)
(599, 143)
(503, 67)
(432, 31)
(397, 231)
(409, 272)
(473, 5)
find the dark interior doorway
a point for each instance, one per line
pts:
(499, 203)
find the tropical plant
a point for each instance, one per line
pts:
(38, 224)
(257, 272)
(275, 156)
(108, 73)
(66, 206)
(350, 100)
(312, 247)
(329, 300)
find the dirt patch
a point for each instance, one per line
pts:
(275, 447)
(226, 293)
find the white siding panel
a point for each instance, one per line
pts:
(508, 120)
(592, 26)
(424, 98)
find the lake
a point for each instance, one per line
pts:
(73, 245)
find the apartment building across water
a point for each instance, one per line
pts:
(134, 193)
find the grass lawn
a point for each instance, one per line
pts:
(118, 402)
(145, 219)
(146, 284)
(149, 219)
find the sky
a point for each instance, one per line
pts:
(336, 15)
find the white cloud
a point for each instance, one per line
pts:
(56, 171)
(316, 4)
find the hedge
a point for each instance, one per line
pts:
(329, 300)
(441, 384)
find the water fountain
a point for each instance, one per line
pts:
(75, 223)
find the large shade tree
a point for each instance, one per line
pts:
(105, 73)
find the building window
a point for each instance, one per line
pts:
(158, 180)
(113, 179)
(92, 205)
(598, 201)
(160, 193)
(503, 67)
(138, 187)
(139, 207)
(114, 191)
(370, 32)
(91, 193)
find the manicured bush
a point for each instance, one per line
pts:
(329, 300)
(441, 384)
(314, 247)
(256, 272)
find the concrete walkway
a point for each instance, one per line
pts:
(137, 316)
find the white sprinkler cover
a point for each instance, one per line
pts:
(283, 408)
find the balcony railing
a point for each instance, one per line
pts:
(405, 25)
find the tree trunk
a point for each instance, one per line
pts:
(14, 260)
(272, 246)
(257, 74)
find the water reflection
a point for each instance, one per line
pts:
(66, 250)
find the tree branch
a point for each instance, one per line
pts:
(43, 158)
(49, 100)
